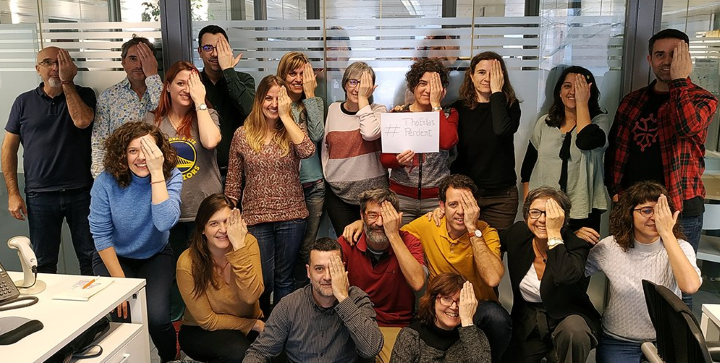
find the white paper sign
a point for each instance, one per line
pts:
(416, 131)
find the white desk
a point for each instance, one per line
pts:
(65, 320)
(710, 322)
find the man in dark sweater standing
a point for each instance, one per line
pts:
(231, 93)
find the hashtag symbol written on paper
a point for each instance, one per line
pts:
(391, 130)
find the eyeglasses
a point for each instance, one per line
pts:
(536, 213)
(372, 216)
(48, 63)
(353, 82)
(208, 48)
(646, 212)
(448, 301)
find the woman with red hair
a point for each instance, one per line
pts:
(193, 129)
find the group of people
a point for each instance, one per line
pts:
(207, 180)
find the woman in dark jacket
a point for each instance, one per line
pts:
(546, 262)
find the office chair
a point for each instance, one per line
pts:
(679, 339)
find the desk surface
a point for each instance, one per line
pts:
(63, 320)
(712, 186)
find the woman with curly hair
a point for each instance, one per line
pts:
(566, 151)
(133, 205)
(489, 116)
(646, 244)
(265, 154)
(220, 280)
(444, 330)
(192, 127)
(415, 176)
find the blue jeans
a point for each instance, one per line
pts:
(158, 272)
(691, 227)
(496, 323)
(46, 211)
(279, 244)
(611, 350)
(315, 203)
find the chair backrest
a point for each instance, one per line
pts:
(711, 217)
(679, 338)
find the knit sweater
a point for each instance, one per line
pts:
(420, 343)
(626, 315)
(351, 151)
(126, 218)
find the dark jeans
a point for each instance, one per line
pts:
(46, 211)
(691, 228)
(179, 241)
(340, 213)
(611, 350)
(158, 272)
(496, 323)
(315, 202)
(279, 244)
(218, 346)
(498, 207)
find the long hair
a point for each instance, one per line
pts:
(446, 284)
(165, 103)
(115, 159)
(467, 89)
(556, 114)
(621, 216)
(202, 266)
(256, 126)
(289, 62)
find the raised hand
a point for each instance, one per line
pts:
(405, 158)
(148, 61)
(681, 66)
(196, 88)
(225, 56)
(437, 91)
(468, 304)
(236, 229)
(664, 219)
(391, 219)
(309, 81)
(471, 210)
(582, 89)
(284, 104)
(154, 158)
(67, 70)
(497, 80)
(554, 216)
(340, 283)
(366, 86)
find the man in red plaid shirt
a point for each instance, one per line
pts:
(660, 130)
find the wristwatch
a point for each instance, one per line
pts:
(554, 242)
(477, 234)
(202, 106)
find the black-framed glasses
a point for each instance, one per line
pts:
(207, 48)
(49, 63)
(353, 82)
(448, 301)
(646, 212)
(536, 213)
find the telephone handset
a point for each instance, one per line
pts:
(8, 291)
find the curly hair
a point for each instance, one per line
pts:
(548, 192)
(165, 103)
(202, 266)
(255, 124)
(556, 114)
(467, 89)
(445, 284)
(621, 216)
(422, 66)
(115, 160)
(457, 181)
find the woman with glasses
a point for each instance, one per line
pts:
(444, 330)
(566, 151)
(546, 262)
(351, 147)
(646, 244)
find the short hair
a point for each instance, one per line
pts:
(326, 244)
(548, 192)
(354, 71)
(115, 159)
(667, 34)
(212, 29)
(457, 181)
(446, 284)
(133, 42)
(422, 66)
(621, 216)
(378, 196)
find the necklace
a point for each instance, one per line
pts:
(537, 250)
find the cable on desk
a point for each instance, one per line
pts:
(32, 301)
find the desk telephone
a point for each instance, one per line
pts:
(8, 291)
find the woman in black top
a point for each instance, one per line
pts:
(489, 116)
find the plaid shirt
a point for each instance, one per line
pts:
(682, 129)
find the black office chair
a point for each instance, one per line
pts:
(679, 338)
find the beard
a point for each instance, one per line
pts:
(376, 238)
(54, 82)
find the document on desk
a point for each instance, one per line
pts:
(84, 288)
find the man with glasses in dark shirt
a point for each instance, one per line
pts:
(231, 93)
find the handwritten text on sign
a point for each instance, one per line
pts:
(416, 131)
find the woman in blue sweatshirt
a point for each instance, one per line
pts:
(135, 202)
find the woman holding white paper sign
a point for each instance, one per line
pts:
(415, 177)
